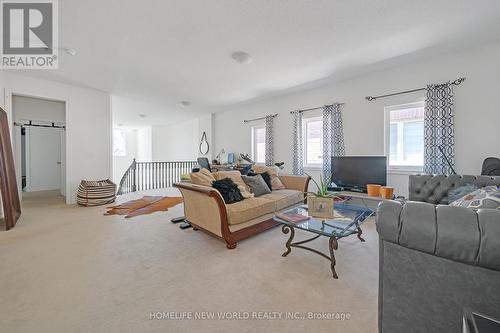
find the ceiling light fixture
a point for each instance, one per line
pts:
(242, 57)
(142, 115)
(185, 103)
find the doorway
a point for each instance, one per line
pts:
(39, 144)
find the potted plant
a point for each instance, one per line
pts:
(321, 203)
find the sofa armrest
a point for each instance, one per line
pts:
(204, 207)
(294, 182)
(456, 233)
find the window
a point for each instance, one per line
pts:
(313, 142)
(119, 142)
(259, 144)
(405, 136)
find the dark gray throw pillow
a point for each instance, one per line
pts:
(257, 185)
(265, 175)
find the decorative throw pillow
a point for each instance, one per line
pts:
(257, 185)
(235, 176)
(228, 189)
(486, 197)
(461, 191)
(202, 177)
(276, 183)
(265, 176)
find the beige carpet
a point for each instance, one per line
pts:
(71, 269)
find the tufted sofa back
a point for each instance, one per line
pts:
(434, 189)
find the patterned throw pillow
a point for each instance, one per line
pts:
(486, 197)
(459, 192)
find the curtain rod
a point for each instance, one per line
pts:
(372, 98)
(249, 120)
(53, 125)
(316, 108)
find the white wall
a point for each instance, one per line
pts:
(27, 108)
(144, 144)
(88, 123)
(176, 142)
(121, 163)
(476, 113)
(206, 125)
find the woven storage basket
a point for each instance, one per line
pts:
(95, 193)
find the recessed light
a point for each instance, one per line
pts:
(142, 115)
(120, 125)
(242, 57)
(185, 103)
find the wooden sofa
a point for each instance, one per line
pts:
(205, 209)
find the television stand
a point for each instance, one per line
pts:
(343, 189)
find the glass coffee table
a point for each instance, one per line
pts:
(347, 222)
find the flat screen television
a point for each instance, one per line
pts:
(354, 172)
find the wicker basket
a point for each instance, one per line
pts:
(96, 193)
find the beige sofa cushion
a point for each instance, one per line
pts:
(202, 177)
(284, 198)
(235, 176)
(249, 209)
(273, 172)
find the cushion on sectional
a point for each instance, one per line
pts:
(257, 185)
(202, 177)
(276, 183)
(249, 209)
(485, 197)
(235, 176)
(285, 198)
(228, 190)
(265, 176)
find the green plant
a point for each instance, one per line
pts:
(322, 188)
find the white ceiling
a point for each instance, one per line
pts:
(163, 52)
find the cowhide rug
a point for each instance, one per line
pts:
(145, 205)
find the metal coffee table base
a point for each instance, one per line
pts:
(332, 245)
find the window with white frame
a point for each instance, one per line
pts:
(313, 142)
(259, 144)
(119, 142)
(405, 136)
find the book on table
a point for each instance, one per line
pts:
(293, 217)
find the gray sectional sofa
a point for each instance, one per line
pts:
(436, 260)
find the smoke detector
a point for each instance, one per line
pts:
(242, 57)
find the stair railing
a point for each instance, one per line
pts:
(142, 176)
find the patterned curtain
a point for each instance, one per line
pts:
(298, 145)
(269, 141)
(333, 136)
(439, 146)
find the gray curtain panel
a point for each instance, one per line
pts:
(298, 145)
(333, 136)
(439, 142)
(269, 140)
